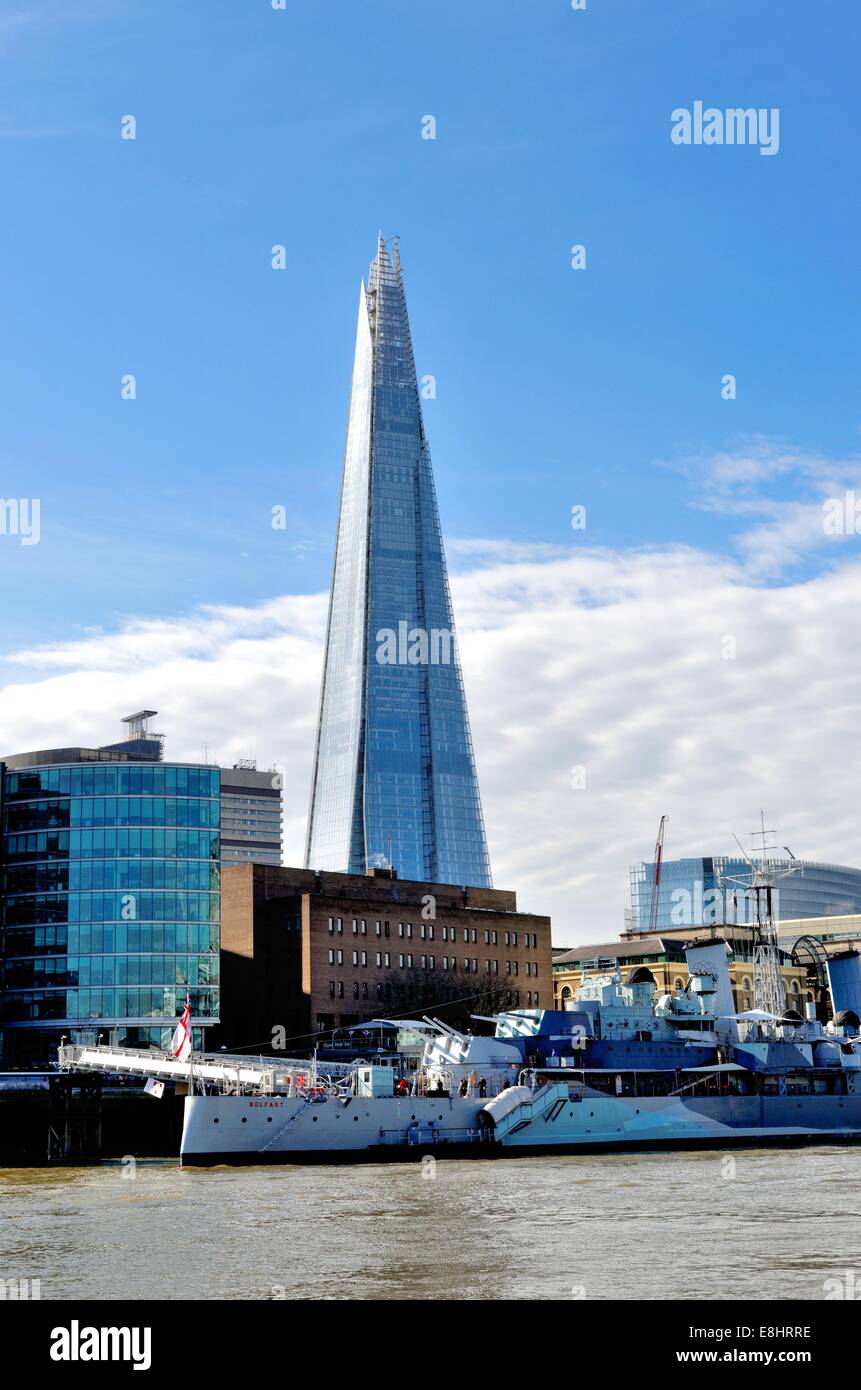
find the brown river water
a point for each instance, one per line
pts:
(761, 1224)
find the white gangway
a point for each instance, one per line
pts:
(227, 1073)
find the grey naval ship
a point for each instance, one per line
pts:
(621, 1067)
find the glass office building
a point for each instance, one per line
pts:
(708, 890)
(394, 775)
(110, 904)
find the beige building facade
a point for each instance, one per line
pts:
(664, 956)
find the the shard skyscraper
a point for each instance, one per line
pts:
(394, 776)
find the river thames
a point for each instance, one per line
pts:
(759, 1224)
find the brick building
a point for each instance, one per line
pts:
(309, 952)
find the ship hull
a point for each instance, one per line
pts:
(241, 1130)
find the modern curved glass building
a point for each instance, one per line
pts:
(110, 906)
(394, 774)
(710, 889)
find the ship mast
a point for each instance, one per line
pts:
(760, 889)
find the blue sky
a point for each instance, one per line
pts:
(682, 649)
(302, 127)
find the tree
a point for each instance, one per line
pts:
(452, 998)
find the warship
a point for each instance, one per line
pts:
(623, 1066)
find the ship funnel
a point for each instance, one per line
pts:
(844, 981)
(713, 956)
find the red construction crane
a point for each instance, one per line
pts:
(659, 859)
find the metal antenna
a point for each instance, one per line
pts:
(769, 993)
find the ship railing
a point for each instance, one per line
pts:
(426, 1134)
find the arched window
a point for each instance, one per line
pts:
(678, 983)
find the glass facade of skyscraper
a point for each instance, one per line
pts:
(708, 890)
(394, 774)
(110, 907)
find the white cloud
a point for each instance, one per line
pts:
(605, 659)
(778, 532)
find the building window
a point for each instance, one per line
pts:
(355, 927)
(340, 957)
(514, 938)
(331, 957)
(331, 924)
(364, 989)
(340, 989)
(401, 961)
(528, 968)
(355, 989)
(340, 924)
(331, 989)
(409, 962)
(355, 958)
(379, 989)
(378, 928)
(363, 927)
(388, 959)
(432, 962)
(364, 958)
(508, 967)
(379, 958)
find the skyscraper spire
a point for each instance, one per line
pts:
(394, 776)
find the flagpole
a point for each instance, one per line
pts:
(191, 1047)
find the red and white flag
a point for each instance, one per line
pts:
(180, 1044)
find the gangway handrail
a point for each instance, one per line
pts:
(264, 1074)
